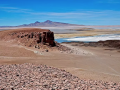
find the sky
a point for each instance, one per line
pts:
(83, 12)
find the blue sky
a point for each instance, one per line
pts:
(85, 12)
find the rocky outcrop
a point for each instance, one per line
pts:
(107, 43)
(34, 37)
(110, 43)
(39, 37)
(42, 39)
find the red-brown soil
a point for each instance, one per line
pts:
(32, 37)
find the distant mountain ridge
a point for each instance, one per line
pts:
(47, 23)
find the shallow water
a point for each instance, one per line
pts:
(60, 40)
(91, 38)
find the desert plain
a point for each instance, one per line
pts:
(87, 63)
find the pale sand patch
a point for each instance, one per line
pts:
(100, 65)
(88, 33)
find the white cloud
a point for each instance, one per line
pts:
(14, 9)
(50, 14)
(80, 14)
(85, 16)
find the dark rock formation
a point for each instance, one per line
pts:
(32, 37)
(45, 37)
(110, 43)
(107, 43)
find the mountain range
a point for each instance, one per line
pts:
(47, 23)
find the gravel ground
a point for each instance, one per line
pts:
(75, 50)
(41, 77)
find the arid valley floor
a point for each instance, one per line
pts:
(95, 63)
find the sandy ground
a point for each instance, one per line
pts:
(88, 33)
(85, 62)
(73, 31)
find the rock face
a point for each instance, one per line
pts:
(110, 43)
(42, 39)
(107, 43)
(34, 37)
(39, 37)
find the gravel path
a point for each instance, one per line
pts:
(41, 77)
